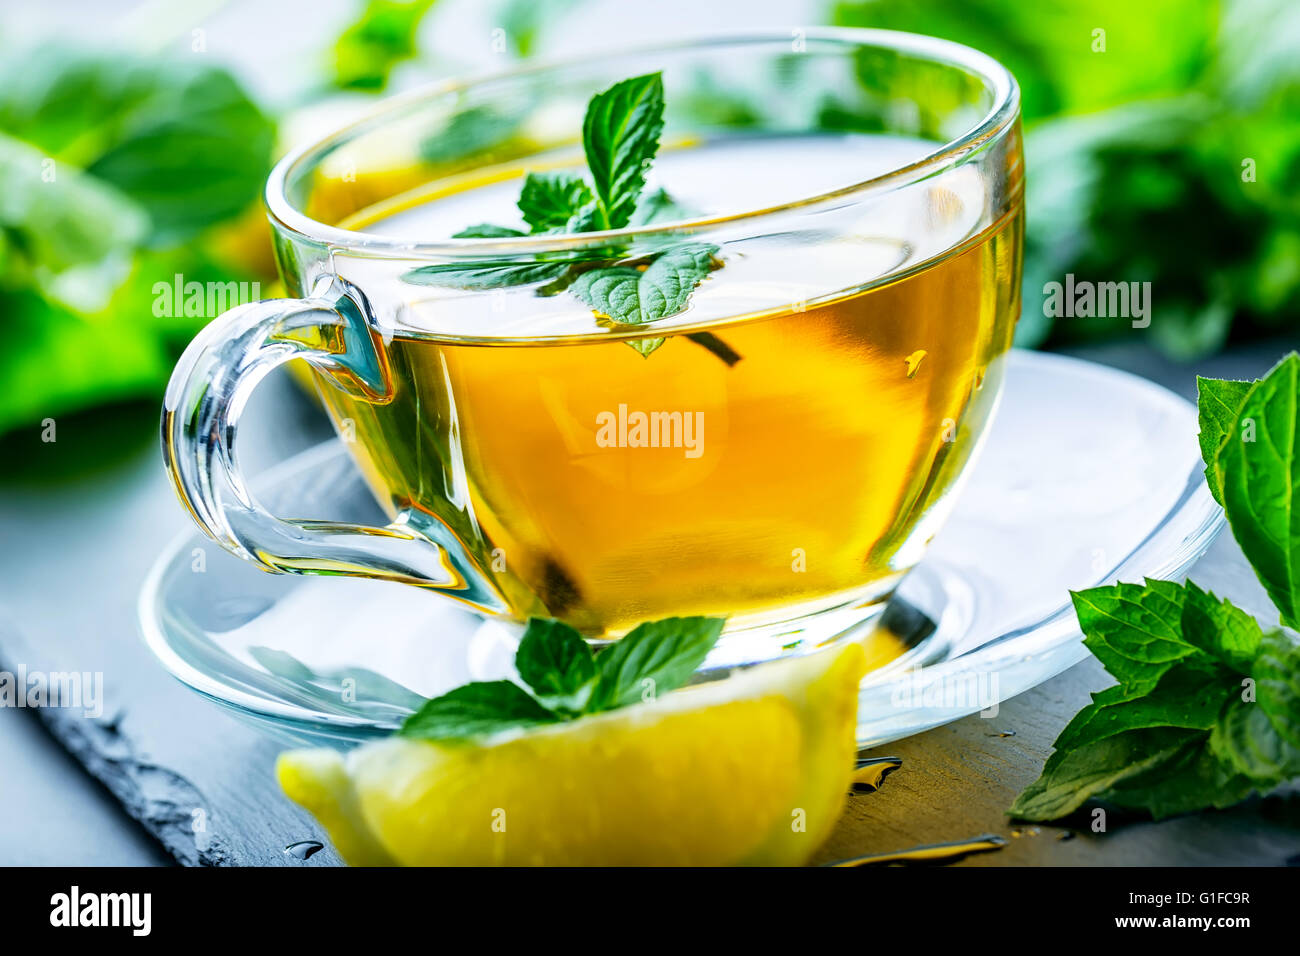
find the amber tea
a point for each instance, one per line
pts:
(784, 446)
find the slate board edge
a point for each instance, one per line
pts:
(109, 756)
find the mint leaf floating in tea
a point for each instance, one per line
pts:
(566, 680)
(630, 296)
(625, 288)
(489, 274)
(1207, 706)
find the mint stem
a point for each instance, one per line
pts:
(710, 342)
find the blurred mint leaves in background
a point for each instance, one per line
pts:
(1162, 145)
(122, 170)
(1163, 148)
(383, 36)
(116, 172)
(183, 142)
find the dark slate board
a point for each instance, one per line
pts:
(77, 550)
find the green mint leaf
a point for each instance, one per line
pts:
(1216, 404)
(1191, 779)
(557, 664)
(1277, 683)
(620, 135)
(477, 709)
(630, 296)
(1184, 729)
(647, 347)
(1072, 778)
(621, 132)
(554, 202)
(1134, 631)
(1246, 740)
(1185, 698)
(485, 230)
(498, 274)
(1178, 733)
(652, 659)
(1220, 629)
(1258, 466)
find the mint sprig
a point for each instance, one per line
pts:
(624, 287)
(566, 680)
(1207, 706)
(631, 296)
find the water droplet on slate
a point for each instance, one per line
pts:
(304, 849)
(870, 772)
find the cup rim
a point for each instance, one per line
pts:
(1001, 114)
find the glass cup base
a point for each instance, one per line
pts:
(986, 615)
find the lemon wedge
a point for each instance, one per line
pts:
(753, 769)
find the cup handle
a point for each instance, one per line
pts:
(205, 397)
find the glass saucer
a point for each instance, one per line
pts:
(1088, 476)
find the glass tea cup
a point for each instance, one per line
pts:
(780, 451)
